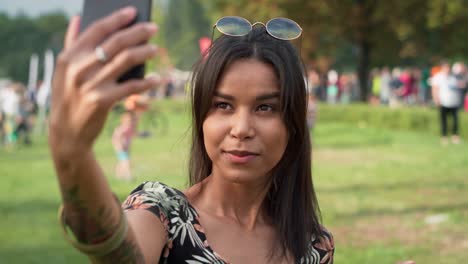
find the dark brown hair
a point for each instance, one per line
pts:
(291, 202)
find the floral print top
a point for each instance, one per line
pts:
(186, 241)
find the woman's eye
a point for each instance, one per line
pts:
(265, 108)
(222, 105)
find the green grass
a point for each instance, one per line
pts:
(375, 188)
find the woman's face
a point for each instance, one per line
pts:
(244, 134)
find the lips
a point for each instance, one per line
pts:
(240, 156)
(241, 153)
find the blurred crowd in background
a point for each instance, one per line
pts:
(24, 111)
(335, 38)
(388, 86)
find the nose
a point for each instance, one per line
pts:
(242, 125)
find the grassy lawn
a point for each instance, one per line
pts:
(377, 188)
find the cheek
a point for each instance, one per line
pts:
(213, 133)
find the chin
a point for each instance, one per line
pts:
(243, 177)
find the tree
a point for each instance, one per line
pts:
(158, 16)
(22, 36)
(184, 25)
(447, 21)
(376, 32)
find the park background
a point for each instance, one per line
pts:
(388, 190)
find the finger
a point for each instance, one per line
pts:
(121, 63)
(127, 38)
(72, 31)
(130, 87)
(102, 28)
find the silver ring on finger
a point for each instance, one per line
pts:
(101, 55)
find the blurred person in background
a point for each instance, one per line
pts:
(2, 119)
(24, 119)
(375, 84)
(424, 87)
(461, 74)
(408, 89)
(3, 93)
(353, 82)
(122, 140)
(311, 111)
(396, 86)
(313, 83)
(313, 86)
(11, 104)
(447, 95)
(385, 89)
(170, 86)
(139, 104)
(345, 88)
(332, 86)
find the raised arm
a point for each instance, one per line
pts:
(83, 91)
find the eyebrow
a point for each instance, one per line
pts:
(258, 98)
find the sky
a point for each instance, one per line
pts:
(37, 7)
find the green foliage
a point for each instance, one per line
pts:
(443, 12)
(158, 16)
(362, 34)
(423, 120)
(184, 25)
(396, 29)
(22, 36)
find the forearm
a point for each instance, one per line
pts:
(90, 208)
(127, 253)
(84, 89)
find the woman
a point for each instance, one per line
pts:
(251, 198)
(121, 141)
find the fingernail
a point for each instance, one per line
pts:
(153, 47)
(129, 11)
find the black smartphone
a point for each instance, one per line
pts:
(96, 9)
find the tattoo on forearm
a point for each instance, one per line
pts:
(127, 253)
(88, 227)
(94, 227)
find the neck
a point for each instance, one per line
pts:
(239, 203)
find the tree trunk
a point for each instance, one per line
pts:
(363, 69)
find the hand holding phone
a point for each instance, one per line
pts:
(96, 9)
(84, 88)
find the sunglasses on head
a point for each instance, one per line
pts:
(279, 28)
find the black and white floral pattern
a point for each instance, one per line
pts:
(186, 241)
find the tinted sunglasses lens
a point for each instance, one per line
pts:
(283, 28)
(233, 26)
